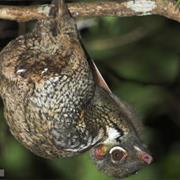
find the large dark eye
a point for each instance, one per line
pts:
(118, 154)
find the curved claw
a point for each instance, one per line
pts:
(60, 8)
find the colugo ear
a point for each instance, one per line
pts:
(100, 151)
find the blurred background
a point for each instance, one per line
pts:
(139, 58)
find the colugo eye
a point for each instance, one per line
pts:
(117, 154)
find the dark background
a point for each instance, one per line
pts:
(140, 59)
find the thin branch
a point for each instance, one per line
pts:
(107, 43)
(120, 77)
(114, 8)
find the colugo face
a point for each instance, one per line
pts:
(120, 160)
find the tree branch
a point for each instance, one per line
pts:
(114, 8)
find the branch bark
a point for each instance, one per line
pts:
(114, 8)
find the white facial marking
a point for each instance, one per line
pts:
(117, 148)
(137, 148)
(141, 6)
(112, 135)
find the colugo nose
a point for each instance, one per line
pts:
(144, 156)
(147, 158)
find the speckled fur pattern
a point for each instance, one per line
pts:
(57, 104)
(53, 101)
(46, 85)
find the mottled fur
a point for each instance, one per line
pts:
(56, 102)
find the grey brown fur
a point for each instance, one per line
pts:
(53, 102)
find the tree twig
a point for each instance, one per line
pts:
(106, 8)
(120, 77)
